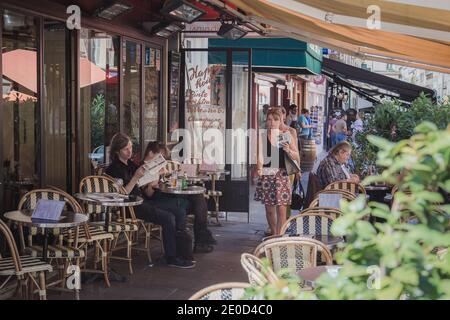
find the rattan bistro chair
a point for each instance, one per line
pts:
(345, 195)
(222, 291)
(25, 268)
(57, 252)
(310, 224)
(293, 253)
(330, 212)
(92, 235)
(257, 273)
(125, 224)
(349, 186)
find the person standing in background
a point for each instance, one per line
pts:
(292, 115)
(357, 126)
(304, 122)
(340, 129)
(331, 134)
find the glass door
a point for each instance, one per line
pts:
(215, 114)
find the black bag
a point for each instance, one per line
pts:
(298, 195)
(184, 245)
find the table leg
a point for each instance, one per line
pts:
(45, 246)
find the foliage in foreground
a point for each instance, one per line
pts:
(401, 255)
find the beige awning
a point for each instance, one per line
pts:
(338, 24)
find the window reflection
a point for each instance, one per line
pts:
(99, 96)
(20, 114)
(132, 94)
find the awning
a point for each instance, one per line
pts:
(274, 55)
(406, 91)
(408, 32)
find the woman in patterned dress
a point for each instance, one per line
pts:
(273, 188)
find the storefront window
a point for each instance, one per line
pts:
(99, 96)
(20, 112)
(152, 71)
(132, 94)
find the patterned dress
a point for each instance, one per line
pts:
(273, 187)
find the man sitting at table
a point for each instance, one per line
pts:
(195, 203)
(122, 167)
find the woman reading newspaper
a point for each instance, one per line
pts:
(171, 221)
(195, 204)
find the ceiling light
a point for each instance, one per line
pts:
(182, 10)
(231, 31)
(163, 29)
(113, 9)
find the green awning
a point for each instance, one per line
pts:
(274, 55)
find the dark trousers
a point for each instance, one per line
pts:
(193, 204)
(150, 213)
(175, 206)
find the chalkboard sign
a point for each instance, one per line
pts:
(174, 93)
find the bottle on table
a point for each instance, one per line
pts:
(184, 182)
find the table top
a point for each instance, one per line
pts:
(189, 190)
(199, 178)
(211, 172)
(126, 202)
(19, 183)
(310, 275)
(68, 219)
(377, 188)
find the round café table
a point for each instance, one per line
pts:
(67, 220)
(128, 201)
(179, 191)
(310, 275)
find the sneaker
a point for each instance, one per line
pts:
(180, 263)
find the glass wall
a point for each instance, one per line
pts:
(55, 108)
(20, 112)
(152, 70)
(131, 120)
(99, 96)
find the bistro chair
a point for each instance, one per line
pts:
(57, 251)
(92, 235)
(222, 291)
(309, 224)
(172, 166)
(352, 187)
(125, 224)
(328, 211)
(293, 253)
(27, 269)
(345, 195)
(257, 273)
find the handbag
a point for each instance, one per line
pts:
(292, 167)
(298, 196)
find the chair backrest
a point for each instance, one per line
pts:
(345, 195)
(222, 291)
(293, 253)
(328, 211)
(12, 245)
(30, 199)
(352, 187)
(257, 273)
(97, 184)
(310, 223)
(172, 166)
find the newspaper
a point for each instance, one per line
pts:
(152, 169)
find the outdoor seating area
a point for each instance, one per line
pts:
(224, 150)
